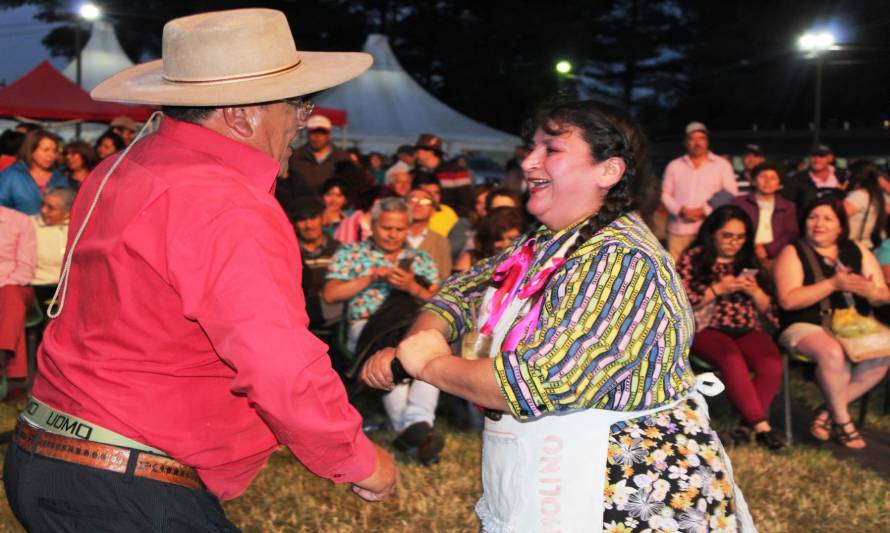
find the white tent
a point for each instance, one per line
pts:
(100, 58)
(387, 108)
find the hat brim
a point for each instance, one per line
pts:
(145, 83)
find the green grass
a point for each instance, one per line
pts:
(806, 490)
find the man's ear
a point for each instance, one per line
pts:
(240, 120)
(611, 173)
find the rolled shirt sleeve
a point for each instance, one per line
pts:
(237, 278)
(667, 190)
(604, 340)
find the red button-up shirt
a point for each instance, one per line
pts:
(185, 327)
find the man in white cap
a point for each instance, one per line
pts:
(690, 182)
(180, 358)
(313, 163)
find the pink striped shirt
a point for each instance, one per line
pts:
(687, 186)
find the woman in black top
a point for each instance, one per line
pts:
(846, 268)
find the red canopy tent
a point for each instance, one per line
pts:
(45, 93)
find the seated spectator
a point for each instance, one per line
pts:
(849, 272)
(865, 205)
(368, 274)
(461, 235)
(405, 154)
(10, 142)
(80, 159)
(363, 274)
(18, 253)
(502, 198)
(316, 252)
(421, 238)
(774, 218)
(336, 205)
(109, 143)
(496, 231)
(398, 179)
(726, 290)
(24, 183)
(376, 167)
(51, 231)
(444, 218)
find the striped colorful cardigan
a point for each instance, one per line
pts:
(614, 331)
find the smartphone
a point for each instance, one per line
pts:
(405, 263)
(748, 273)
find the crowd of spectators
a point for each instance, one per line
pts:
(766, 256)
(379, 233)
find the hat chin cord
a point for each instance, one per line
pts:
(58, 301)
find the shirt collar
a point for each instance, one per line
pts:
(255, 167)
(709, 157)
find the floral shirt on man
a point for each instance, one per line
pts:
(357, 259)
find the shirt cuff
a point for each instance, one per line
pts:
(360, 466)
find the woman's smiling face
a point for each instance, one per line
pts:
(560, 173)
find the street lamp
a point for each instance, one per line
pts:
(815, 45)
(563, 67)
(89, 12)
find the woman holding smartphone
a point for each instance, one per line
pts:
(727, 293)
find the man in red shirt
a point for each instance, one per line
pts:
(180, 357)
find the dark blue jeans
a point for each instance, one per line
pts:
(51, 495)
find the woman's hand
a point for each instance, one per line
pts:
(750, 286)
(853, 283)
(729, 285)
(416, 351)
(377, 372)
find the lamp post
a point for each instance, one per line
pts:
(88, 12)
(815, 44)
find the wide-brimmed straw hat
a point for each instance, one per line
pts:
(234, 57)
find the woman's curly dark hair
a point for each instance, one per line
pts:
(610, 132)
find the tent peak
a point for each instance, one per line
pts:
(377, 45)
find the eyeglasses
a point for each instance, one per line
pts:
(726, 236)
(420, 201)
(304, 109)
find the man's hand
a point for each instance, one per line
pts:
(379, 485)
(377, 372)
(690, 214)
(401, 279)
(760, 252)
(419, 349)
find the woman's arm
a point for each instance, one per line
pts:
(879, 294)
(791, 293)
(426, 356)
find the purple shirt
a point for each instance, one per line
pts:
(687, 186)
(18, 248)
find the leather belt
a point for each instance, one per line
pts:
(104, 456)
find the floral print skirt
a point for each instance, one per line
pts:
(665, 473)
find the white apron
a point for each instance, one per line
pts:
(549, 474)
